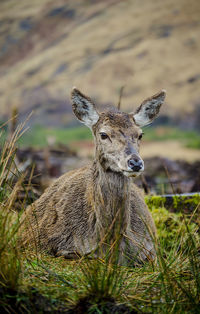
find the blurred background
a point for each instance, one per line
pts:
(47, 47)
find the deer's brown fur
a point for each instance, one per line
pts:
(83, 206)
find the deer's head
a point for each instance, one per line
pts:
(117, 134)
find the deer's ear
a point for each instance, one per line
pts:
(149, 109)
(84, 109)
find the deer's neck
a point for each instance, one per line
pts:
(111, 193)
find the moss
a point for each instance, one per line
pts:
(155, 201)
(182, 203)
(171, 226)
(195, 200)
(176, 201)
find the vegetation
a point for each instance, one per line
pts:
(174, 202)
(39, 136)
(33, 282)
(11, 267)
(189, 138)
(170, 286)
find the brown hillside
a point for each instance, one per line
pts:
(47, 46)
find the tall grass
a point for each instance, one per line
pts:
(10, 184)
(169, 285)
(100, 285)
(102, 279)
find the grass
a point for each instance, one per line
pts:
(39, 136)
(189, 139)
(170, 286)
(10, 255)
(32, 282)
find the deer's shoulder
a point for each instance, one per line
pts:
(70, 178)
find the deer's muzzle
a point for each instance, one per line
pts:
(135, 164)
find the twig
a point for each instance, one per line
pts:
(168, 176)
(145, 184)
(120, 97)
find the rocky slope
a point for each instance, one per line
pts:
(47, 46)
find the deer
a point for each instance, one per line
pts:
(74, 214)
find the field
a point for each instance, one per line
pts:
(32, 282)
(40, 136)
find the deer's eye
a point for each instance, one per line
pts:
(103, 135)
(140, 136)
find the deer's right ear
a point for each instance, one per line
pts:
(84, 109)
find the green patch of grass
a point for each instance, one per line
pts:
(39, 136)
(171, 285)
(171, 227)
(174, 202)
(54, 278)
(189, 139)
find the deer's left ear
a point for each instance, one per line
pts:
(149, 109)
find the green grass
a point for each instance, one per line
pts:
(37, 136)
(32, 282)
(10, 184)
(189, 139)
(172, 285)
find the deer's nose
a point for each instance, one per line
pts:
(135, 163)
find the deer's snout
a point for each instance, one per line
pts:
(135, 163)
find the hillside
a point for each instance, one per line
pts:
(46, 47)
